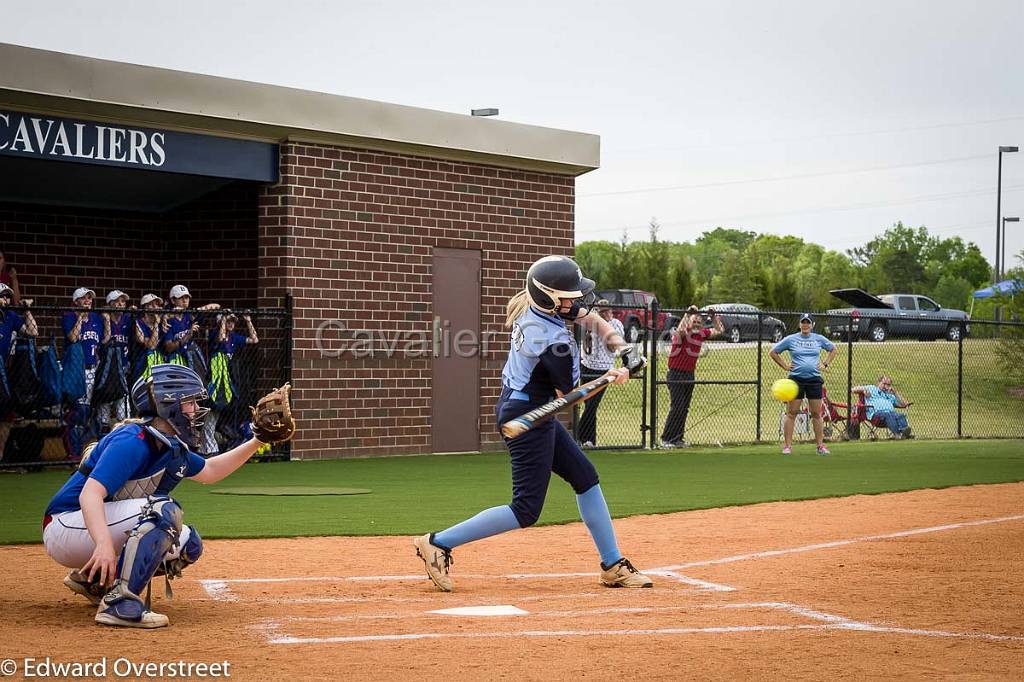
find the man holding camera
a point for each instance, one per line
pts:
(687, 339)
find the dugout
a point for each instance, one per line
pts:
(398, 232)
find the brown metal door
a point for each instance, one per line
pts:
(455, 408)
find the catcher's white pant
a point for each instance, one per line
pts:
(67, 540)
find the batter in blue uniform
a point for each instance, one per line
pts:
(543, 363)
(114, 521)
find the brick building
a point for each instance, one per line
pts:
(398, 232)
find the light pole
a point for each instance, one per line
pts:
(999, 195)
(1002, 248)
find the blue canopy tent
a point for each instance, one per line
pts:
(1008, 287)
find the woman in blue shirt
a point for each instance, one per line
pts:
(84, 327)
(116, 327)
(804, 367)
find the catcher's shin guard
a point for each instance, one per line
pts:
(158, 530)
(191, 550)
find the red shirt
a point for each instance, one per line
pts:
(686, 349)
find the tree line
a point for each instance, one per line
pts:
(787, 273)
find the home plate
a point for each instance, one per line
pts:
(496, 610)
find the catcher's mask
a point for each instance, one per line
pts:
(162, 394)
(557, 277)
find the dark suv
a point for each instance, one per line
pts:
(632, 317)
(740, 322)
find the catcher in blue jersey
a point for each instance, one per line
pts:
(543, 363)
(114, 522)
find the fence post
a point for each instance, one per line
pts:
(289, 326)
(960, 382)
(652, 370)
(760, 319)
(850, 407)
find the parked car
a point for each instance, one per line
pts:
(635, 313)
(878, 318)
(740, 322)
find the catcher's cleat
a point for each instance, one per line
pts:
(436, 559)
(79, 584)
(126, 610)
(622, 574)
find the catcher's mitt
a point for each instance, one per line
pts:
(272, 420)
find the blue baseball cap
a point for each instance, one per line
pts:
(807, 316)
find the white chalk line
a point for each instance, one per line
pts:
(841, 543)
(644, 632)
(419, 600)
(220, 590)
(827, 621)
(536, 614)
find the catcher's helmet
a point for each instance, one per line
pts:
(555, 277)
(161, 395)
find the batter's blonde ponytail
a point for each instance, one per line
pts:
(517, 305)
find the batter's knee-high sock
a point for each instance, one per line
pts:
(594, 511)
(485, 524)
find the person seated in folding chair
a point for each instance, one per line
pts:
(881, 402)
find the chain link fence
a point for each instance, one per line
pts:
(951, 372)
(57, 396)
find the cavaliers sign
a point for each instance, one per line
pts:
(39, 136)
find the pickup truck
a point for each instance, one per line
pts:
(879, 317)
(632, 312)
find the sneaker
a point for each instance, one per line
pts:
(669, 444)
(436, 559)
(79, 584)
(907, 433)
(587, 444)
(622, 574)
(787, 450)
(127, 612)
(822, 450)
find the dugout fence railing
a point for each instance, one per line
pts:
(44, 421)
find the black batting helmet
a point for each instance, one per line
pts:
(555, 277)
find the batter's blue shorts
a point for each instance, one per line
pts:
(546, 448)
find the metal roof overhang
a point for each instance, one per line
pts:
(61, 84)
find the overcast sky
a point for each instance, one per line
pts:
(824, 119)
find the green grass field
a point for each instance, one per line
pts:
(924, 373)
(417, 494)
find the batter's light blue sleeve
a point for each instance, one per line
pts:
(123, 456)
(195, 464)
(825, 343)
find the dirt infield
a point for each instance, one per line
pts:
(919, 584)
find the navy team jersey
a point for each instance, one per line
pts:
(132, 462)
(543, 356)
(176, 331)
(230, 346)
(119, 335)
(10, 323)
(89, 334)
